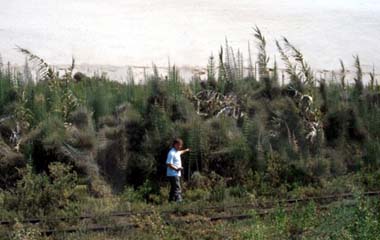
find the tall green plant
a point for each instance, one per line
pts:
(290, 68)
(222, 74)
(251, 69)
(262, 57)
(307, 73)
(211, 69)
(359, 87)
(342, 74)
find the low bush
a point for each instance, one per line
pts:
(43, 194)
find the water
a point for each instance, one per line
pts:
(120, 32)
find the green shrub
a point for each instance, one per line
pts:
(43, 194)
(218, 193)
(130, 195)
(148, 192)
(198, 180)
(237, 192)
(22, 232)
(365, 223)
(196, 194)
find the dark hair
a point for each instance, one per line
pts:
(177, 141)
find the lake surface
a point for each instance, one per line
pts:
(123, 32)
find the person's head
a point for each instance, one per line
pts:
(177, 144)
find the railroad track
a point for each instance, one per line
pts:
(263, 208)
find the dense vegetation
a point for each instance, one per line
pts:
(69, 136)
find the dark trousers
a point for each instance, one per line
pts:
(175, 189)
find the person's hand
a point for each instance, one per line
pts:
(187, 150)
(179, 169)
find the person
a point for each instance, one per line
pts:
(174, 167)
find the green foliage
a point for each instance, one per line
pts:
(307, 73)
(365, 224)
(199, 181)
(7, 91)
(118, 135)
(359, 76)
(131, 196)
(45, 72)
(218, 193)
(342, 74)
(148, 192)
(211, 74)
(10, 162)
(21, 232)
(42, 194)
(372, 149)
(238, 192)
(197, 194)
(262, 57)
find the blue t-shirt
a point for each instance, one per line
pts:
(174, 157)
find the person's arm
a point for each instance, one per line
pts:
(173, 167)
(184, 151)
